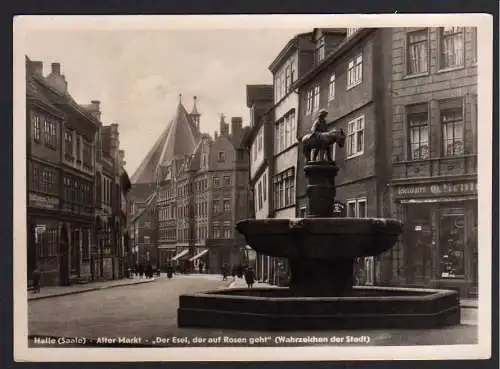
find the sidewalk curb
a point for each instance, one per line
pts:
(90, 289)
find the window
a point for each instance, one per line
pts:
(227, 205)
(354, 72)
(216, 181)
(35, 124)
(227, 181)
(452, 243)
(302, 212)
(331, 88)
(147, 224)
(44, 179)
(316, 98)
(147, 239)
(222, 156)
(49, 131)
(451, 47)
(418, 122)
(228, 233)
(284, 189)
(78, 148)
(264, 187)
(453, 127)
(320, 49)
(284, 79)
(357, 208)
(355, 137)
(68, 144)
(46, 241)
(260, 139)
(351, 31)
(309, 102)
(259, 194)
(216, 206)
(417, 52)
(87, 153)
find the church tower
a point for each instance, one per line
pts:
(195, 115)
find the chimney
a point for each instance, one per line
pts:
(56, 68)
(236, 125)
(37, 68)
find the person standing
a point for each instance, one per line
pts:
(250, 277)
(36, 279)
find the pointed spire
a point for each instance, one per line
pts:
(195, 108)
(222, 118)
(180, 99)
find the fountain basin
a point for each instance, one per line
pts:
(320, 238)
(276, 309)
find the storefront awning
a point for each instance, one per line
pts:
(180, 254)
(199, 255)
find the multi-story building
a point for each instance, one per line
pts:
(44, 124)
(293, 61)
(259, 143)
(350, 78)
(228, 195)
(63, 246)
(194, 185)
(434, 156)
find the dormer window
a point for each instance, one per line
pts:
(320, 49)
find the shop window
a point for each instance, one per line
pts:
(451, 245)
(46, 240)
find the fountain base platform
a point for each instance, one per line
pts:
(274, 309)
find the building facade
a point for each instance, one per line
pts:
(65, 161)
(259, 143)
(350, 79)
(197, 185)
(64, 136)
(434, 157)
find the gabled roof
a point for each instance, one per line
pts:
(179, 139)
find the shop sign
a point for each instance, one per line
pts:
(438, 189)
(42, 201)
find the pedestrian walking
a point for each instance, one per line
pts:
(250, 277)
(141, 270)
(200, 267)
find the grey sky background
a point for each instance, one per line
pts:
(138, 74)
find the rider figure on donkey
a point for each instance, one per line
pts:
(320, 126)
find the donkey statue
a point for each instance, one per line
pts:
(321, 143)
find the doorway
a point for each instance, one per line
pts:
(419, 245)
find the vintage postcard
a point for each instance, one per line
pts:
(252, 188)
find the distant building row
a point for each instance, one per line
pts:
(407, 100)
(76, 185)
(188, 193)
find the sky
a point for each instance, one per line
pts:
(138, 74)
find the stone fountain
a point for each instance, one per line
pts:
(321, 250)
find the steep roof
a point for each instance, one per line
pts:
(179, 139)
